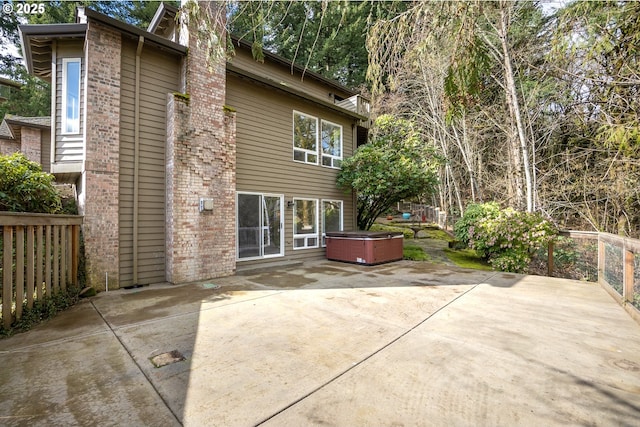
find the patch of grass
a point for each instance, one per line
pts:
(467, 258)
(414, 253)
(436, 234)
(407, 232)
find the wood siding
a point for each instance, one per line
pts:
(282, 75)
(69, 148)
(264, 141)
(159, 75)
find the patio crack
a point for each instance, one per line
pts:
(360, 362)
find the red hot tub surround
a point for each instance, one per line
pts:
(364, 247)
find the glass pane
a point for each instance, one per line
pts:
(271, 225)
(312, 158)
(298, 243)
(331, 139)
(305, 132)
(72, 75)
(305, 217)
(248, 225)
(326, 161)
(298, 155)
(332, 216)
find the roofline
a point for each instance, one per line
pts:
(292, 91)
(9, 82)
(11, 121)
(302, 70)
(137, 32)
(162, 9)
(50, 30)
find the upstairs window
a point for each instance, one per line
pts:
(305, 138)
(331, 136)
(71, 95)
(313, 145)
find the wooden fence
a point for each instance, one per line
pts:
(39, 258)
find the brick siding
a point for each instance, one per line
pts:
(201, 163)
(103, 45)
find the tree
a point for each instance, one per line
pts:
(397, 164)
(24, 187)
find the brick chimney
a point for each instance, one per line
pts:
(201, 164)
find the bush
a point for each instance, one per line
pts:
(509, 240)
(474, 213)
(24, 187)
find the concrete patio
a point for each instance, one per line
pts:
(333, 344)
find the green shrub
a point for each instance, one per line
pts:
(43, 309)
(24, 187)
(472, 214)
(509, 240)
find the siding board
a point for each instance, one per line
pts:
(159, 75)
(264, 144)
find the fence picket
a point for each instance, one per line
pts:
(19, 281)
(47, 250)
(7, 276)
(30, 266)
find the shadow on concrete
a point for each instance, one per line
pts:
(323, 342)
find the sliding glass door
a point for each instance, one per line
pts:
(260, 225)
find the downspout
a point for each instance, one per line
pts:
(54, 85)
(136, 158)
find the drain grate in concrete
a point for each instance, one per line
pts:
(210, 286)
(165, 359)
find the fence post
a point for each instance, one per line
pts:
(550, 258)
(75, 253)
(601, 259)
(7, 276)
(627, 274)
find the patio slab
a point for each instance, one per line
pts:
(328, 343)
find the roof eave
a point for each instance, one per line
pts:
(292, 91)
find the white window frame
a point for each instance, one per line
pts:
(334, 160)
(304, 151)
(281, 225)
(324, 232)
(64, 121)
(306, 237)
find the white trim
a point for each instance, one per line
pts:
(304, 151)
(331, 156)
(63, 109)
(305, 236)
(262, 196)
(322, 237)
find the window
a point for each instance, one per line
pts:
(305, 141)
(305, 224)
(331, 217)
(259, 225)
(71, 95)
(305, 138)
(331, 137)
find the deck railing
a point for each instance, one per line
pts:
(618, 264)
(40, 254)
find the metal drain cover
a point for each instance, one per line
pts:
(165, 359)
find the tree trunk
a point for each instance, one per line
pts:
(514, 109)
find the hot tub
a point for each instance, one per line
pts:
(364, 247)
